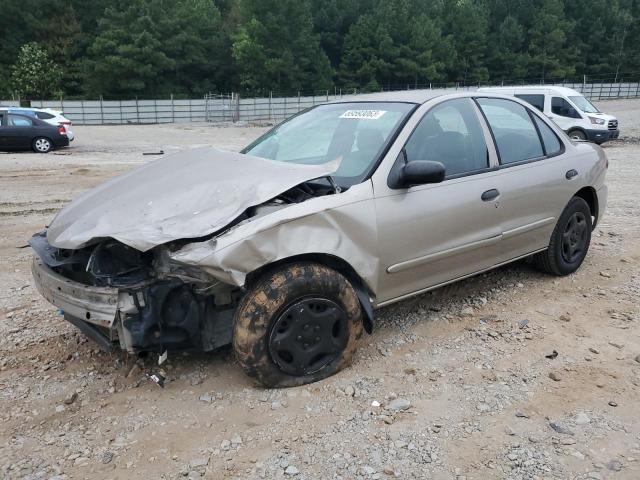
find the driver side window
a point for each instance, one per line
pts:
(561, 107)
(450, 133)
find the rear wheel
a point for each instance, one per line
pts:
(577, 135)
(42, 145)
(297, 325)
(569, 241)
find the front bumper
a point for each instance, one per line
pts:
(95, 305)
(164, 314)
(600, 136)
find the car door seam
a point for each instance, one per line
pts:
(527, 227)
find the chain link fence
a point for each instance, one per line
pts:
(218, 108)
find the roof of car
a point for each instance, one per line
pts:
(409, 96)
(566, 91)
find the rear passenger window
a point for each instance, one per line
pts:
(450, 133)
(516, 136)
(535, 100)
(44, 115)
(17, 121)
(552, 145)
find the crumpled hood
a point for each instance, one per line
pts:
(185, 195)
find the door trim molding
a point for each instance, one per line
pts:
(442, 284)
(432, 257)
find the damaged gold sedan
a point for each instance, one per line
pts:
(284, 250)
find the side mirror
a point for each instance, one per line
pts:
(419, 172)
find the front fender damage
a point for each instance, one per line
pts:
(342, 226)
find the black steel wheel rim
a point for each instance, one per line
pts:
(574, 238)
(308, 335)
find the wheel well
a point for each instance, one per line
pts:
(589, 195)
(338, 264)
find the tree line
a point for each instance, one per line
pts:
(146, 48)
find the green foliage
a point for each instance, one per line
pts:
(34, 73)
(126, 48)
(145, 47)
(552, 55)
(275, 47)
(397, 44)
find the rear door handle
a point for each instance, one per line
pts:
(570, 174)
(490, 195)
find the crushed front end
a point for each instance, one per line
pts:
(119, 296)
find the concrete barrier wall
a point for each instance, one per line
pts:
(9, 103)
(227, 108)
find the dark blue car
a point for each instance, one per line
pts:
(25, 132)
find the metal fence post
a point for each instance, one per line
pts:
(101, 112)
(285, 107)
(298, 100)
(270, 96)
(82, 110)
(137, 111)
(120, 110)
(173, 113)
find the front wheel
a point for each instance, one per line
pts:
(42, 145)
(577, 135)
(297, 325)
(569, 242)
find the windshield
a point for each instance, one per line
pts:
(357, 132)
(583, 104)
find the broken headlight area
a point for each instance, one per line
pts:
(107, 264)
(119, 296)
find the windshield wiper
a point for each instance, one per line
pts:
(334, 185)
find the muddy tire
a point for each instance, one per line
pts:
(298, 324)
(569, 242)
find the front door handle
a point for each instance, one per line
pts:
(570, 174)
(490, 195)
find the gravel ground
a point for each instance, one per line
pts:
(459, 383)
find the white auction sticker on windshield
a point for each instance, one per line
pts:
(363, 114)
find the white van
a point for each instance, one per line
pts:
(568, 109)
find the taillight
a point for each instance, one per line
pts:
(62, 130)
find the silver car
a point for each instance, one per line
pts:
(285, 249)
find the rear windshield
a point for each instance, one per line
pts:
(356, 132)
